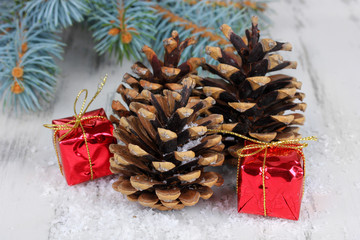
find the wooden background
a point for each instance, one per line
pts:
(36, 203)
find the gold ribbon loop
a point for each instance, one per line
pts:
(259, 146)
(291, 144)
(74, 124)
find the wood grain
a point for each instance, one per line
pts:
(36, 203)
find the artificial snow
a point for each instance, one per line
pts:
(36, 203)
(162, 169)
(189, 145)
(165, 135)
(93, 210)
(190, 125)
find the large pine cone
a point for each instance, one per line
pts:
(166, 149)
(254, 104)
(166, 74)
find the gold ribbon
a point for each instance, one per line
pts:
(259, 146)
(74, 124)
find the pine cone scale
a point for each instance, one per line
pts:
(254, 104)
(166, 142)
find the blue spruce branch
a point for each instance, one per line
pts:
(56, 14)
(27, 66)
(121, 27)
(28, 41)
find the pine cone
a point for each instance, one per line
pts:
(166, 149)
(165, 75)
(254, 104)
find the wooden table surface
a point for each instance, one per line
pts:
(36, 203)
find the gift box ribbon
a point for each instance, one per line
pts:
(78, 122)
(259, 146)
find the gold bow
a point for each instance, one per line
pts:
(259, 146)
(74, 124)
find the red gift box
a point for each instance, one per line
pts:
(74, 157)
(279, 192)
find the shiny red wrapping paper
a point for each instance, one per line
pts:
(73, 153)
(284, 175)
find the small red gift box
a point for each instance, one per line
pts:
(279, 192)
(74, 155)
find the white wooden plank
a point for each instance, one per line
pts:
(23, 211)
(324, 37)
(36, 203)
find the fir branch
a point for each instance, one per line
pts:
(259, 6)
(55, 14)
(121, 28)
(27, 66)
(8, 9)
(205, 32)
(28, 46)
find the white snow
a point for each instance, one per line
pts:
(36, 203)
(187, 161)
(142, 71)
(142, 114)
(187, 146)
(165, 135)
(190, 125)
